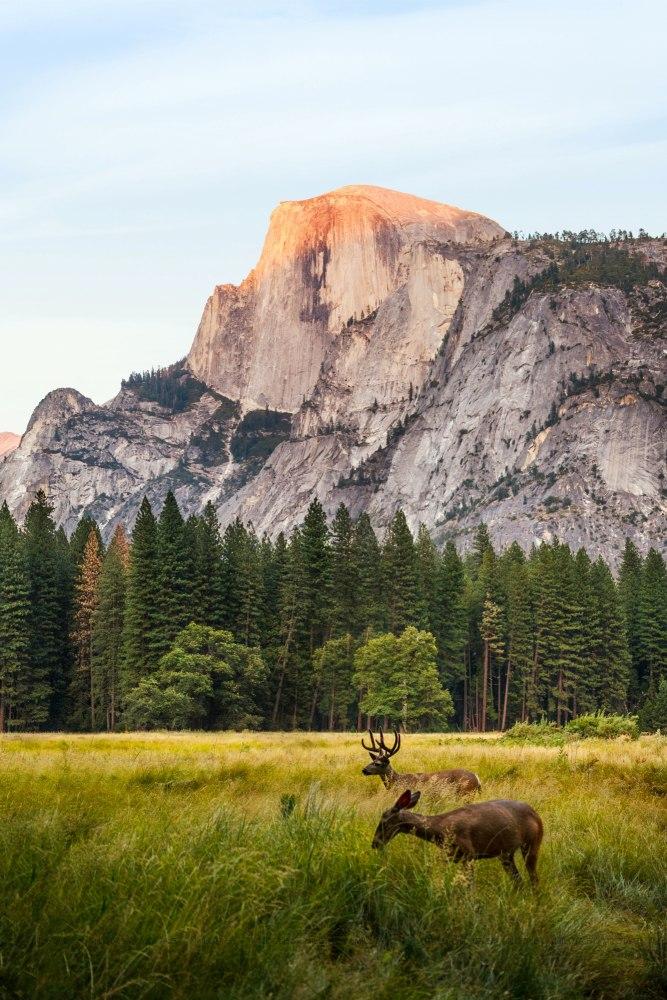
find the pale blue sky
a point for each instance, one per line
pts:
(144, 144)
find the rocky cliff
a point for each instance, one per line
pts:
(8, 442)
(389, 351)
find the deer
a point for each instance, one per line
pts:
(463, 781)
(495, 829)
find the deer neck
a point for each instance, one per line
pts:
(389, 777)
(418, 826)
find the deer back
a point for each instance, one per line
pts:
(489, 829)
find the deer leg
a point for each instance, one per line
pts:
(509, 864)
(530, 853)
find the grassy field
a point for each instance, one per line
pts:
(239, 865)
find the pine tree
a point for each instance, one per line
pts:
(629, 587)
(242, 583)
(428, 567)
(519, 634)
(492, 636)
(82, 690)
(108, 627)
(344, 574)
(142, 640)
(79, 539)
(209, 584)
(46, 626)
(175, 576)
(371, 604)
(316, 556)
(289, 673)
(400, 577)
(589, 635)
(611, 655)
(652, 621)
(333, 666)
(14, 622)
(451, 618)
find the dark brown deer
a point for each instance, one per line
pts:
(495, 829)
(463, 782)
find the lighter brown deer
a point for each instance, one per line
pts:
(459, 780)
(495, 829)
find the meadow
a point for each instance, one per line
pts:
(239, 865)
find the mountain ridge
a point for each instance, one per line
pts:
(427, 360)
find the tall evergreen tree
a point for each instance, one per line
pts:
(371, 603)
(428, 567)
(209, 584)
(82, 689)
(611, 656)
(629, 587)
(494, 646)
(652, 623)
(142, 639)
(79, 539)
(400, 577)
(344, 574)
(316, 560)
(519, 635)
(108, 628)
(242, 583)
(14, 623)
(175, 575)
(46, 626)
(450, 620)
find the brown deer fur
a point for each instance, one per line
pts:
(495, 829)
(463, 781)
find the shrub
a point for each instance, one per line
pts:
(603, 726)
(543, 733)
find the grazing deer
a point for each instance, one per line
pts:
(381, 754)
(495, 829)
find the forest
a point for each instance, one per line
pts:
(181, 625)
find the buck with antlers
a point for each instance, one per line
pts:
(462, 781)
(496, 829)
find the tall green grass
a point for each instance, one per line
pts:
(240, 866)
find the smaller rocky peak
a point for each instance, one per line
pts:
(57, 406)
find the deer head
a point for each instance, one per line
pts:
(392, 819)
(380, 754)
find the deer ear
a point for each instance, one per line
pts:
(414, 799)
(403, 801)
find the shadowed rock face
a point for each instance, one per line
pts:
(368, 360)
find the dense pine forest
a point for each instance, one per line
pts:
(183, 625)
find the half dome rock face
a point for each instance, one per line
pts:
(389, 351)
(8, 442)
(327, 263)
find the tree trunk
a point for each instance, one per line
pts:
(485, 686)
(507, 688)
(313, 705)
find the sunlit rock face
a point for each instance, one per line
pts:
(367, 360)
(8, 442)
(327, 262)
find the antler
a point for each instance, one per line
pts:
(396, 747)
(372, 748)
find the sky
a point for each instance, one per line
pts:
(144, 143)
